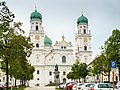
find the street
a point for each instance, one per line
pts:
(41, 88)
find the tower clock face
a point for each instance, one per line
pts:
(37, 37)
(85, 39)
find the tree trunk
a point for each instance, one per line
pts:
(79, 80)
(119, 72)
(15, 82)
(109, 76)
(22, 82)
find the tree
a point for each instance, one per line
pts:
(101, 66)
(14, 47)
(83, 71)
(112, 48)
(79, 70)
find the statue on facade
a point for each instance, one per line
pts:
(56, 67)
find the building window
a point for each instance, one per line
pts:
(36, 27)
(85, 47)
(50, 81)
(78, 48)
(38, 72)
(61, 47)
(64, 47)
(63, 59)
(84, 26)
(80, 26)
(36, 22)
(84, 31)
(50, 73)
(64, 73)
(37, 45)
(38, 79)
(37, 60)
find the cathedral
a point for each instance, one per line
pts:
(46, 56)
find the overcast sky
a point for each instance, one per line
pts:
(60, 18)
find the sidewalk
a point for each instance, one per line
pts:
(41, 88)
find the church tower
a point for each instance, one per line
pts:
(36, 30)
(83, 41)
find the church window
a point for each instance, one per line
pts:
(38, 79)
(37, 59)
(84, 31)
(85, 59)
(85, 47)
(32, 23)
(64, 73)
(50, 73)
(38, 72)
(78, 48)
(80, 26)
(63, 59)
(64, 47)
(50, 81)
(61, 47)
(84, 26)
(36, 22)
(36, 27)
(37, 45)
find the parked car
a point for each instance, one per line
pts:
(77, 86)
(102, 86)
(118, 84)
(85, 86)
(9, 85)
(1, 86)
(63, 85)
(70, 85)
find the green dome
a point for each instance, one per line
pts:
(36, 15)
(47, 41)
(82, 20)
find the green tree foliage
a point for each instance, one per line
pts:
(79, 70)
(71, 76)
(112, 48)
(14, 47)
(101, 65)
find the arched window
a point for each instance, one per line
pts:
(63, 59)
(64, 73)
(84, 31)
(38, 72)
(37, 45)
(50, 73)
(85, 47)
(36, 27)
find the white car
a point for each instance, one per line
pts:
(118, 84)
(77, 86)
(62, 86)
(85, 86)
(102, 86)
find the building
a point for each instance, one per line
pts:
(83, 41)
(45, 56)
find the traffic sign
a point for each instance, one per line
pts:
(113, 64)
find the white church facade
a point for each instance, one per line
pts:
(45, 56)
